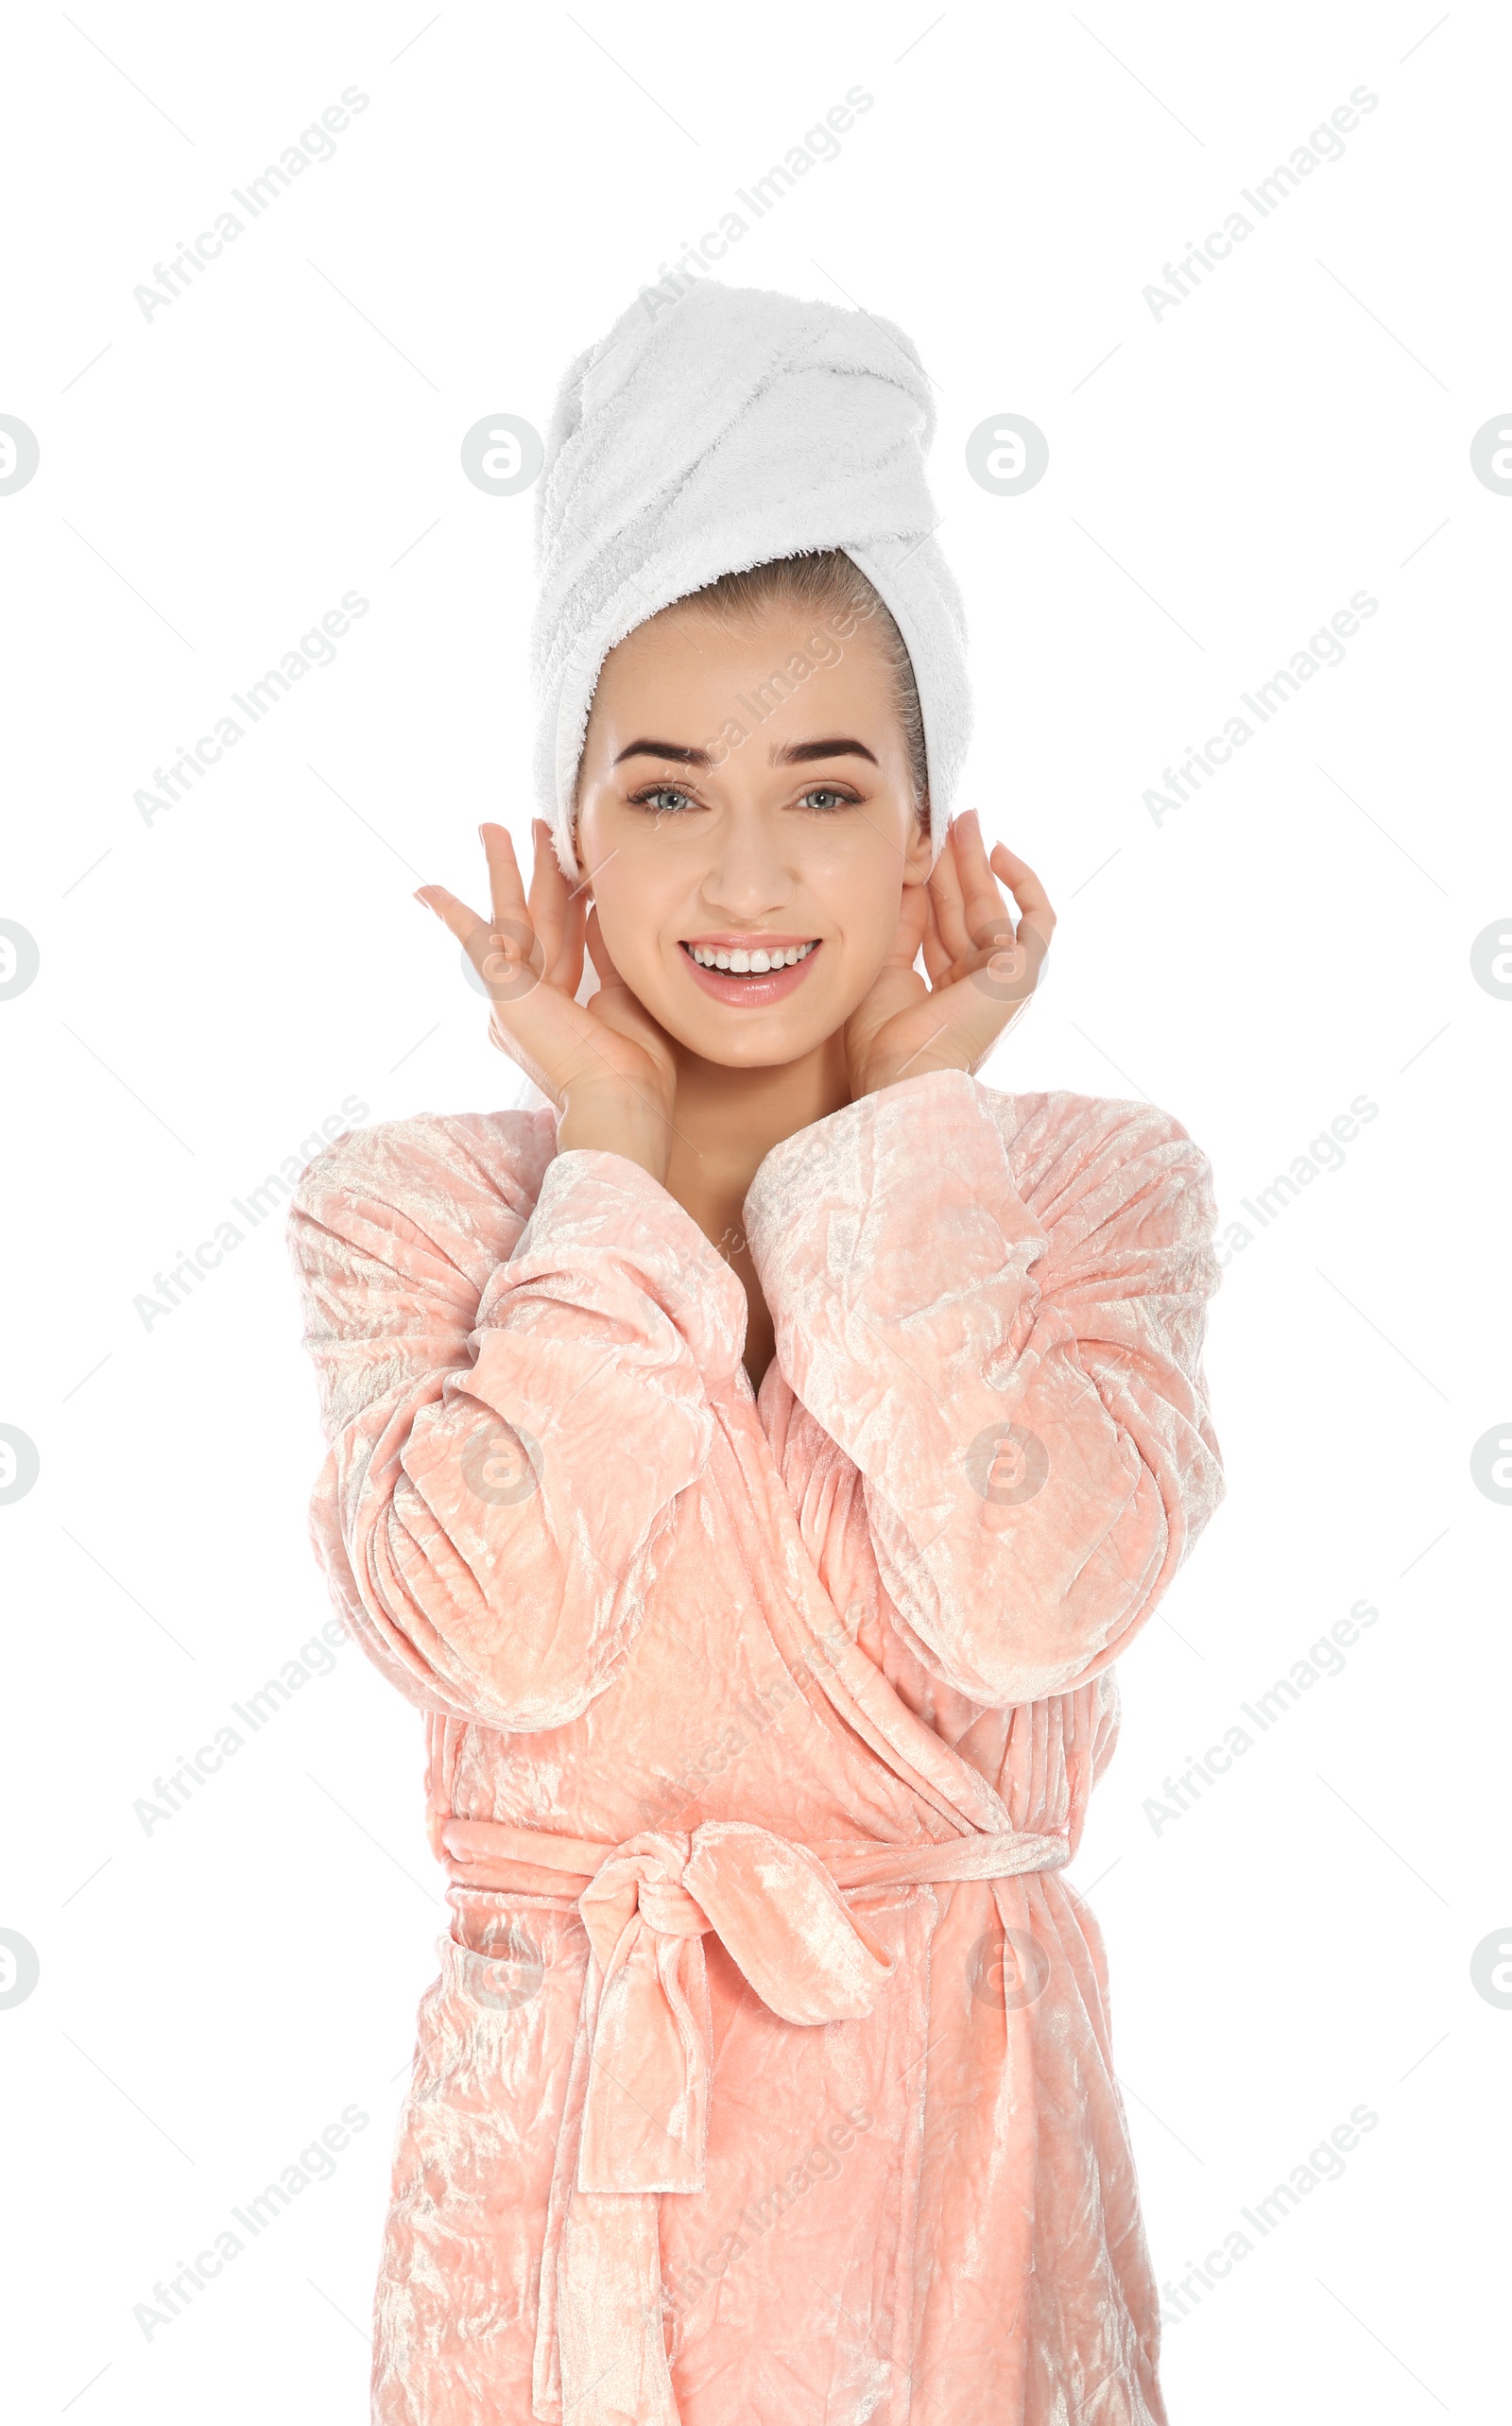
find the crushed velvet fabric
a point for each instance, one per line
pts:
(767, 2078)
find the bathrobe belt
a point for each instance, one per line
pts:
(636, 2120)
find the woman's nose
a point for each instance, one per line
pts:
(747, 878)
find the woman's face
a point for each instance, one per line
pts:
(729, 811)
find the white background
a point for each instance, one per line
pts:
(211, 984)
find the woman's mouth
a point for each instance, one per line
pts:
(752, 970)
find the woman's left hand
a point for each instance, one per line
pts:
(982, 969)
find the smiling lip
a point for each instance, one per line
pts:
(750, 994)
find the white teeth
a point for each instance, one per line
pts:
(749, 964)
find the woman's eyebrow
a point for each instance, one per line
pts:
(674, 750)
(796, 753)
(799, 753)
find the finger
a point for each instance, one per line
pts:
(557, 912)
(614, 1006)
(945, 891)
(568, 971)
(507, 958)
(1037, 919)
(462, 920)
(988, 919)
(549, 893)
(513, 955)
(1026, 888)
(505, 890)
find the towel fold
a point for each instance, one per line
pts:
(712, 434)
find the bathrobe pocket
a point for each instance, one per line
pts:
(455, 2316)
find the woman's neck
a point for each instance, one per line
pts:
(727, 1121)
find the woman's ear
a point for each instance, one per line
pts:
(918, 856)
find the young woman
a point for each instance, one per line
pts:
(753, 1463)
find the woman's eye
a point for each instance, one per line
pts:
(824, 798)
(667, 798)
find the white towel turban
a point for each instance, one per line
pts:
(706, 435)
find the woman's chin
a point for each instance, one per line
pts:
(739, 1034)
(753, 1040)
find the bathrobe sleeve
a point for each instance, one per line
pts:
(514, 1387)
(996, 1305)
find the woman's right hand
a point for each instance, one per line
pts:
(606, 1064)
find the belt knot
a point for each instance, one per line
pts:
(643, 1878)
(783, 1921)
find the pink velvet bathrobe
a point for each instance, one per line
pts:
(767, 2080)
